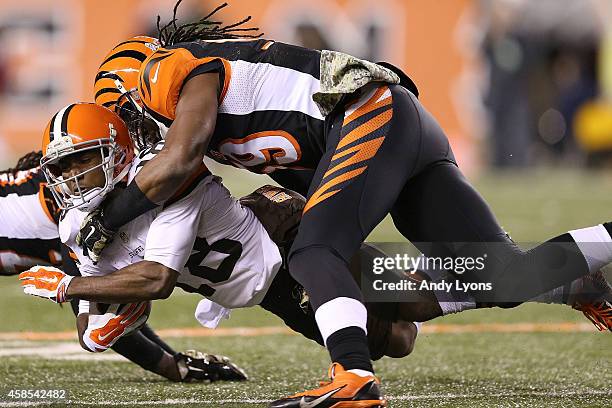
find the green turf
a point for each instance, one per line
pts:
(445, 370)
(471, 370)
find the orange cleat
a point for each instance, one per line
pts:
(594, 300)
(345, 390)
(599, 313)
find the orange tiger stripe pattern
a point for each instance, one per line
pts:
(363, 132)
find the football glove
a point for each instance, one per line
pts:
(46, 282)
(207, 367)
(104, 330)
(93, 236)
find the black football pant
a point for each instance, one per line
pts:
(387, 154)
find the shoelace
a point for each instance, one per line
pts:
(598, 314)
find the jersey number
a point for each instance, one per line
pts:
(230, 250)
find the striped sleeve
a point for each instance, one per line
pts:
(164, 73)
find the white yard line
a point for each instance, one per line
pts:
(55, 346)
(264, 331)
(181, 401)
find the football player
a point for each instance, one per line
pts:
(26, 241)
(241, 268)
(29, 240)
(369, 148)
(202, 240)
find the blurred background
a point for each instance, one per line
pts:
(523, 89)
(514, 83)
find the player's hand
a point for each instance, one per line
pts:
(94, 236)
(105, 329)
(46, 282)
(209, 367)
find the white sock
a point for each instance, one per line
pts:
(361, 373)
(595, 244)
(340, 313)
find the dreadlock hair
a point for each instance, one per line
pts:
(170, 34)
(28, 161)
(203, 29)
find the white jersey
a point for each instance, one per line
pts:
(28, 232)
(219, 247)
(23, 212)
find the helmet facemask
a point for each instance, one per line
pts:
(144, 130)
(68, 191)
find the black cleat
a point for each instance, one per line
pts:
(208, 367)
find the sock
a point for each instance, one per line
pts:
(451, 301)
(585, 289)
(361, 373)
(340, 313)
(595, 244)
(349, 347)
(342, 322)
(556, 296)
(148, 332)
(140, 350)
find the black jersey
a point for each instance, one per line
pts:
(267, 118)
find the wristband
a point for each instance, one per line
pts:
(126, 206)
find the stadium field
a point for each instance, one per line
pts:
(531, 356)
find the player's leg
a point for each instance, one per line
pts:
(591, 294)
(442, 214)
(392, 321)
(150, 334)
(386, 337)
(372, 150)
(355, 185)
(440, 208)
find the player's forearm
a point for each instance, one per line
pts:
(138, 282)
(186, 141)
(186, 144)
(163, 176)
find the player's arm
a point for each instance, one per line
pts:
(183, 153)
(175, 87)
(181, 157)
(137, 282)
(144, 280)
(186, 142)
(168, 246)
